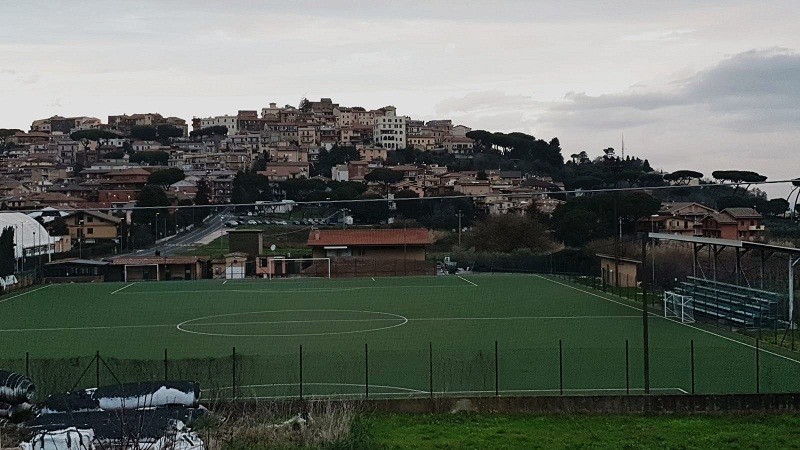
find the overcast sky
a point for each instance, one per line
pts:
(698, 85)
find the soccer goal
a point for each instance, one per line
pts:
(678, 306)
(279, 267)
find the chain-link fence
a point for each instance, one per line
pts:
(561, 367)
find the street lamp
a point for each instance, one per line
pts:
(156, 226)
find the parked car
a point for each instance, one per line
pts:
(231, 224)
(281, 222)
(252, 222)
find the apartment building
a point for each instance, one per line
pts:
(390, 129)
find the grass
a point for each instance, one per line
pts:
(389, 336)
(576, 432)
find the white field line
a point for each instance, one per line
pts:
(109, 327)
(470, 282)
(424, 319)
(123, 287)
(679, 323)
(278, 322)
(289, 291)
(24, 293)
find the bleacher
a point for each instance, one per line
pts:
(736, 305)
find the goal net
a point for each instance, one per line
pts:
(678, 306)
(278, 267)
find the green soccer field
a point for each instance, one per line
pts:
(387, 337)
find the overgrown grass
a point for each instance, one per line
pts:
(444, 431)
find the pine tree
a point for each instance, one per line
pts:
(7, 257)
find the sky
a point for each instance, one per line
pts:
(690, 85)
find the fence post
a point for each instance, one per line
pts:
(691, 361)
(301, 372)
(366, 370)
(27, 364)
(233, 373)
(758, 369)
(97, 368)
(430, 367)
(496, 371)
(166, 366)
(627, 369)
(560, 368)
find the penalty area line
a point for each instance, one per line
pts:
(470, 282)
(24, 293)
(123, 287)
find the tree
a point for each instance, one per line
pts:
(150, 158)
(683, 177)
(384, 176)
(58, 227)
(368, 210)
(738, 177)
(202, 198)
(166, 177)
(144, 133)
(337, 155)
(508, 232)
(8, 258)
(408, 208)
(774, 207)
(150, 196)
(216, 130)
(250, 187)
(166, 132)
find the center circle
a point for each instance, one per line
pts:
(307, 322)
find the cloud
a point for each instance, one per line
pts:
(754, 90)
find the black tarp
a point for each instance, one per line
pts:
(131, 425)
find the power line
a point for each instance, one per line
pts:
(429, 198)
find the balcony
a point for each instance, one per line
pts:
(756, 228)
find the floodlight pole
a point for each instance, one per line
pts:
(792, 263)
(645, 324)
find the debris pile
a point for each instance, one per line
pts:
(17, 393)
(152, 415)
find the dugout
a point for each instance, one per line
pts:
(619, 271)
(157, 268)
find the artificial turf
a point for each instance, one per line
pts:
(390, 337)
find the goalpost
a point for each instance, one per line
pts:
(679, 306)
(298, 267)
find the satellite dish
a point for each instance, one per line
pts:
(272, 247)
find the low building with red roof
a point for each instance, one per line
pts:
(404, 244)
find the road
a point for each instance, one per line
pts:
(214, 223)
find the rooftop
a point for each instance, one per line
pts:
(414, 236)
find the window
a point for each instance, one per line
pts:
(90, 219)
(89, 230)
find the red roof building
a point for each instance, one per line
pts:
(408, 244)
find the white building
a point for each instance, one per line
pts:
(389, 130)
(29, 236)
(227, 121)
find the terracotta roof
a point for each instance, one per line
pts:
(148, 260)
(414, 236)
(742, 213)
(721, 218)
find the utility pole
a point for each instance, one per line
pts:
(460, 215)
(645, 323)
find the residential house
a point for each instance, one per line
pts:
(92, 226)
(748, 220)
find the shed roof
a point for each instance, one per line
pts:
(379, 237)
